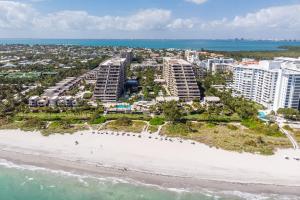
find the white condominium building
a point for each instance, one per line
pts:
(128, 54)
(274, 84)
(180, 79)
(191, 56)
(110, 80)
(221, 65)
(288, 90)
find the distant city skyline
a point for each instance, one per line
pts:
(155, 19)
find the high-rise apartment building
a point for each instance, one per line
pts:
(274, 84)
(180, 79)
(288, 85)
(110, 80)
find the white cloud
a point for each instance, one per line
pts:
(22, 20)
(272, 22)
(67, 20)
(197, 1)
(15, 15)
(181, 24)
(148, 19)
(273, 17)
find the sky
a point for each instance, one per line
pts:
(150, 19)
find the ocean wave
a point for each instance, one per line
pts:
(112, 180)
(84, 180)
(250, 196)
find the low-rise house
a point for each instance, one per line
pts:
(64, 101)
(61, 102)
(166, 99)
(211, 100)
(222, 88)
(69, 101)
(43, 102)
(53, 101)
(142, 106)
(33, 101)
(63, 86)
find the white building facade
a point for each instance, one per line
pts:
(274, 84)
(191, 56)
(288, 91)
(215, 65)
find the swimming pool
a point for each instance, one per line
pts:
(262, 115)
(122, 106)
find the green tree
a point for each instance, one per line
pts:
(172, 111)
(289, 113)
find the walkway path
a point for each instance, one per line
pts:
(290, 137)
(145, 129)
(103, 125)
(159, 129)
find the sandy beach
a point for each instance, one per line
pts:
(155, 160)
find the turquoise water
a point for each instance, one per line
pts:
(31, 183)
(123, 106)
(218, 45)
(262, 116)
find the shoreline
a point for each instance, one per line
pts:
(160, 177)
(152, 179)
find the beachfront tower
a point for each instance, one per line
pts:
(110, 80)
(180, 79)
(274, 84)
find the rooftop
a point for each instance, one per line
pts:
(272, 65)
(114, 61)
(176, 61)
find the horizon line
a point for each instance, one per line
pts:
(238, 39)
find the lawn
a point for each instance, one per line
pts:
(129, 116)
(155, 123)
(69, 116)
(52, 128)
(61, 128)
(134, 126)
(77, 117)
(258, 127)
(215, 118)
(153, 128)
(232, 137)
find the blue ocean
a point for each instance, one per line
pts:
(19, 182)
(215, 45)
